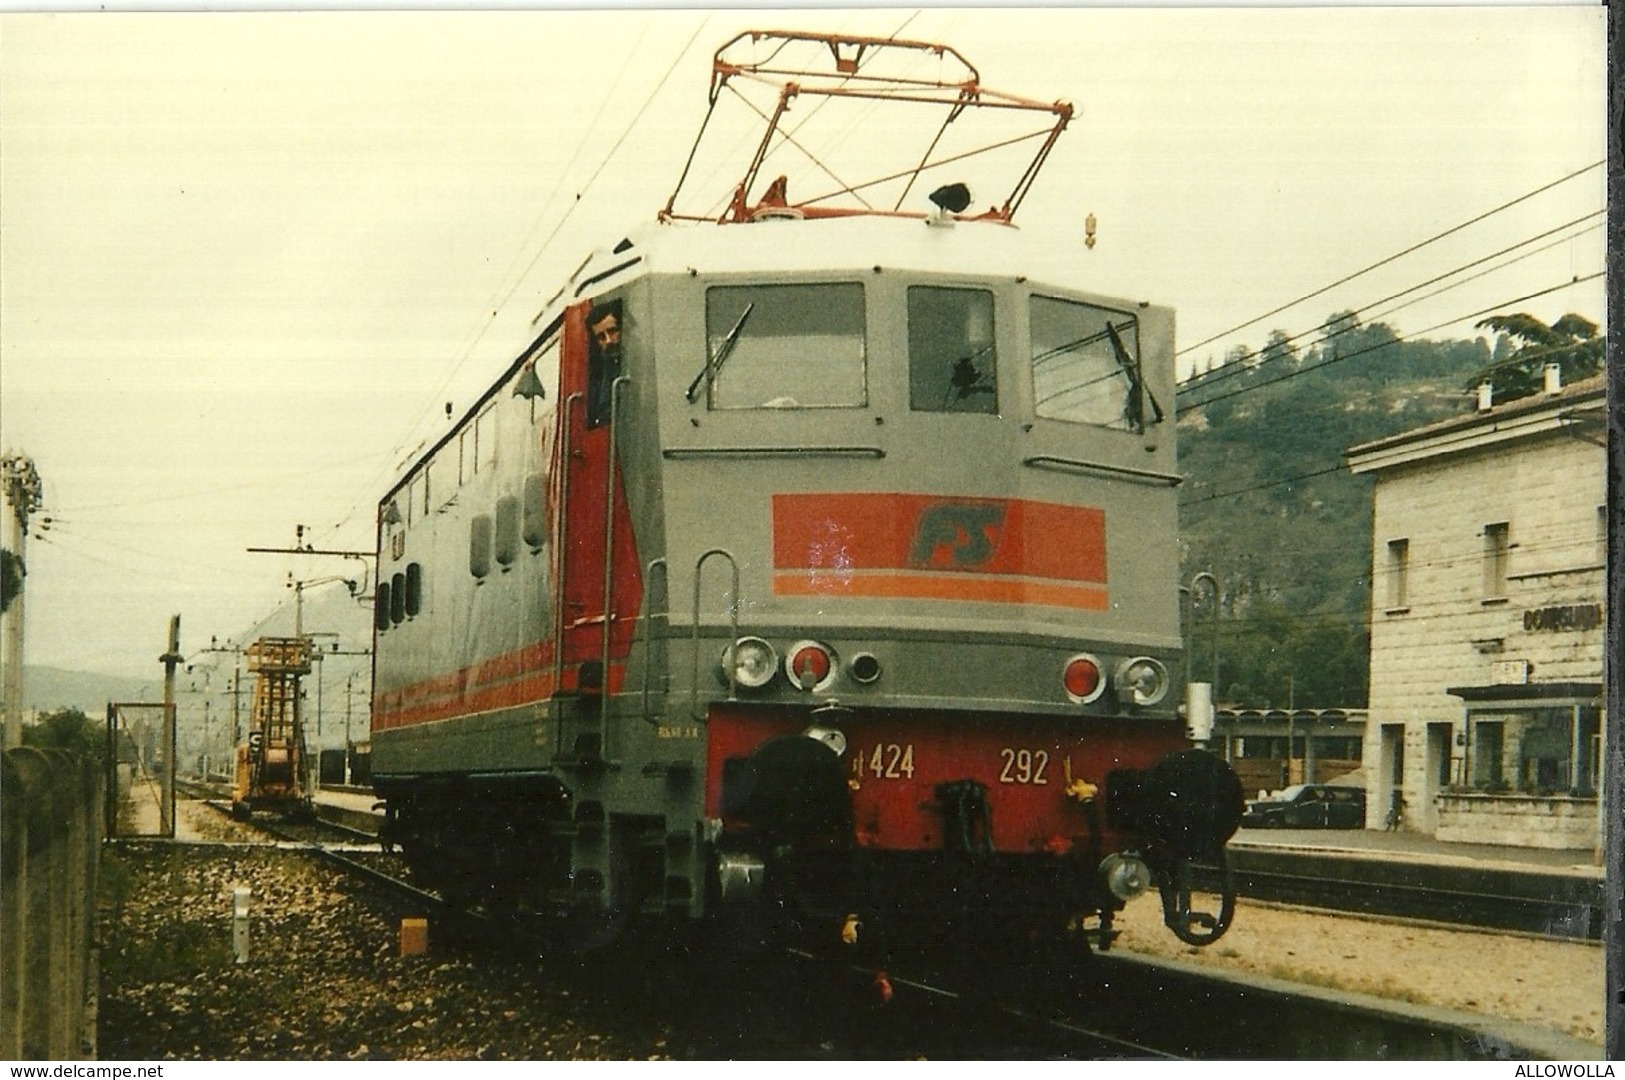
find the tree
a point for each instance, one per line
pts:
(67, 729)
(1571, 343)
(1279, 350)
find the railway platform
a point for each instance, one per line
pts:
(1389, 845)
(358, 799)
(1552, 892)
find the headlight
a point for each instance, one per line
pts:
(751, 660)
(1125, 874)
(1141, 680)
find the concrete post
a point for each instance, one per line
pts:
(239, 925)
(171, 659)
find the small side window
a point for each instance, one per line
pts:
(485, 439)
(414, 589)
(507, 530)
(479, 545)
(397, 598)
(437, 484)
(533, 527)
(380, 606)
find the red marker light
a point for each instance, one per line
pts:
(1082, 679)
(809, 665)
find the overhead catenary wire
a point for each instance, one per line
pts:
(1343, 357)
(486, 320)
(1394, 257)
(1370, 314)
(1295, 477)
(1255, 361)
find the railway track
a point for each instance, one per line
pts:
(788, 990)
(955, 1003)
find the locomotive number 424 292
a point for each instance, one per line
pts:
(885, 761)
(895, 761)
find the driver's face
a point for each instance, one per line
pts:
(606, 333)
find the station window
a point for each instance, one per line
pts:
(1399, 573)
(784, 347)
(1086, 364)
(951, 360)
(1495, 560)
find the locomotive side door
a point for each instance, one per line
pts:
(597, 569)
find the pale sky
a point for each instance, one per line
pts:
(245, 259)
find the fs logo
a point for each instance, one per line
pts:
(956, 535)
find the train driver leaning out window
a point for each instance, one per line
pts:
(604, 359)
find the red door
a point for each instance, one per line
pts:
(595, 398)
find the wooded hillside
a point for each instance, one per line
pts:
(1268, 508)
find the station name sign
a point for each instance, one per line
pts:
(1565, 617)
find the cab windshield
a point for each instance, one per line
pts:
(784, 347)
(1086, 365)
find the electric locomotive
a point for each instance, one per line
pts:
(812, 565)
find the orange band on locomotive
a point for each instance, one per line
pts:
(908, 546)
(918, 586)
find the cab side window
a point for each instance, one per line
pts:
(604, 327)
(951, 359)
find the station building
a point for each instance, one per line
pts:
(1485, 720)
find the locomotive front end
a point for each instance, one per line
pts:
(815, 567)
(927, 515)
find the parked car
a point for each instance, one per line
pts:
(1308, 806)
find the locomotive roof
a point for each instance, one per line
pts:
(966, 246)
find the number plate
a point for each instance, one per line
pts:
(1023, 766)
(884, 761)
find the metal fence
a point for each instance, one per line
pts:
(50, 843)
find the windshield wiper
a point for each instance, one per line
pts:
(1138, 392)
(714, 362)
